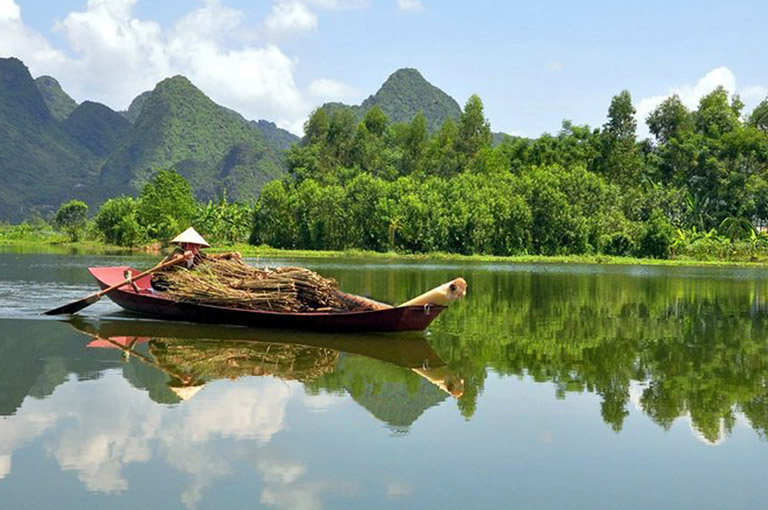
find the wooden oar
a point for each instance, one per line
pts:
(78, 305)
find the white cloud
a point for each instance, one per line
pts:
(288, 18)
(106, 34)
(753, 93)
(5, 466)
(691, 94)
(554, 66)
(9, 11)
(399, 490)
(116, 56)
(338, 4)
(90, 432)
(323, 401)
(284, 486)
(410, 5)
(327, 89)
(19, 41)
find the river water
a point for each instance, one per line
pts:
(548, 387)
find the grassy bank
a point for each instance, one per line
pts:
(27, 238)
(266, 251)
(48, 240)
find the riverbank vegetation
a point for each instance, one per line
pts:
(697, 191)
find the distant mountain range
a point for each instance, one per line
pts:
(53, 149)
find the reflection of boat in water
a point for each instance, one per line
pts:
(193, 354)
(400, 318)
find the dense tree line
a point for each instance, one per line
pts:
(698, 187)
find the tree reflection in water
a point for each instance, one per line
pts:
(694, 347)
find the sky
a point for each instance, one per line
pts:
(534, 64)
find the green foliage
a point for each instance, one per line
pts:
(166, 205)
(474, 129)
(619, 158)
(759, 116)
(671, 119)
(224, 222)
(715, 116)
(71, 218)
(408, 170)
(657, 237)
(117, 222)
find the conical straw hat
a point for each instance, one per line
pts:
(190, 236)
(186, 392)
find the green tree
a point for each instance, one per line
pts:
(71, 218)
(474, 129)
(316, 127)
(618, 156)
(376, 121)
(657, 237)
(117, 223)
(442, 152)
(167, 205)
(759, 116)
(715, 115)
(669, 120)
(274, 218)
(414, 145)
(224, 221)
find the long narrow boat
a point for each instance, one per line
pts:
(156, 305)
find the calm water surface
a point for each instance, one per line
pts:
(548, 387)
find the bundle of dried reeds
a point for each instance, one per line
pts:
(206, 360)
(234, 283)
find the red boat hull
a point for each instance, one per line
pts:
(146, 302)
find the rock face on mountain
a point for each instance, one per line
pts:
(180, 127)
(404, 94)
(40, 164)
(59, 103)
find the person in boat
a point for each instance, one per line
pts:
(188, 245)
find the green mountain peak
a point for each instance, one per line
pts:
(133, 111)
(404, 94)
(40, 164)
(97, 127)
(180, 127)
(59, 103)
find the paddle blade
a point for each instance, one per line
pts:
(74, 306)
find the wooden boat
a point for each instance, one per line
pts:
(156, 305)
